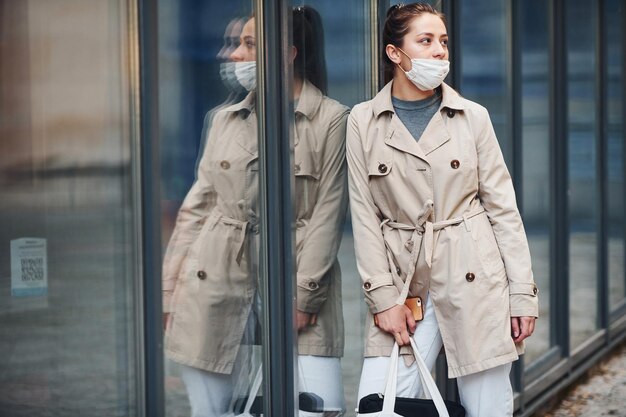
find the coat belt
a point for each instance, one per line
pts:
(244, 227)
(423, 234)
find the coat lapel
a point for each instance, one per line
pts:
(435, 134)
(243, 137)
(400, 138)
(249, 142)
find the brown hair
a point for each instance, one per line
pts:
(397, 25)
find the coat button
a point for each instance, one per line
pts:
(470, 276)
(398, 271)
(535, 291)
(225, 164)
(313, 285)
(296, 168)
(382, 168)
(455, 163)
(367, 285)
(201, 274)
(451, 113)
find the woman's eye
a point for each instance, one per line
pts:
(425, 40)
(444, 42)
(250, 44)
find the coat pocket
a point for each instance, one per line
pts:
(219, 257)
(487, 246)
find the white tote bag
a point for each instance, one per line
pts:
(430, 387)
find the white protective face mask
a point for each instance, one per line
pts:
(246, 74)
(227, 72)
(426, 74)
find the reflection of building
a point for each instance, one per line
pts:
(75, 131)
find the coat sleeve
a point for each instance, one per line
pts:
(325, 228)
(371, 255)
(197, 205)
(496, 192)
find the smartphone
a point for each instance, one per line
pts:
(415, 305)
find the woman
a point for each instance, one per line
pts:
(210, 268)
(434, 216)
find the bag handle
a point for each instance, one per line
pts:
(254, 390)
(429, 383)
(430, 387)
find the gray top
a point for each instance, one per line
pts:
(416, 115)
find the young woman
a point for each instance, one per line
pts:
(434, 216)
(210, 277)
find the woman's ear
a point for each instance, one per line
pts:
(294, 54)
(393, 54)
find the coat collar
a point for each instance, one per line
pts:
(243, 135)
(245, 106)
(309, 101)
(449, 99)
(435, 134)
(308, 104)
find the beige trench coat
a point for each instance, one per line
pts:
(442, 210)
(209, 272)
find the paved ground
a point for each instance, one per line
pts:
(601, 393)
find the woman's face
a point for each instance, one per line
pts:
(427, 39)
(246, 51)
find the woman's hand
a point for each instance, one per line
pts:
(398, 321)
(305, 319)
(522, 327)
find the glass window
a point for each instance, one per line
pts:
(69, 328)
(210, 188)
(336, 43)
(582, 169)
(614, 91)
(535, 73)
(483, 47)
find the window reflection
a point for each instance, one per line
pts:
(211, 303)
(535, 73)
(210, 273)
(320, 206)
(483, 51)
(614, 14)
(347, 54)
(582, 190)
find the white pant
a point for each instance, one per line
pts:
(483, 394)
(210, 393)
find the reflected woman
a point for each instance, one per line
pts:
(236, 92)
(435, 220)
(210, 280)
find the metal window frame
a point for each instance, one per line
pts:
(277, 270)
(559, 216)
(152, 394)
(620, 310)
(603, 308)
(623, 309)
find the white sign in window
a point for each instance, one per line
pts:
(29, 267)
